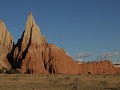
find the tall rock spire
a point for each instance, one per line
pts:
(30, 20)
(32, 32)
(26, 54)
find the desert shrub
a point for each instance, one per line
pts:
(67, 78)
(11, 71)
(3, 71)
(49, 79)
(103, 83)
(56, 81)
(16, 77)
(75, 84)
(104, 76)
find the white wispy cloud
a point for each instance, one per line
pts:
(108, 54)
(83, 55)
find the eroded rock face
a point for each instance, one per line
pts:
(32, 33)
(6, 44)
(32, 54)
(33, 61)
(27, 53)
(57, 61)
(101, 67)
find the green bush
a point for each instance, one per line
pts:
(11, 71)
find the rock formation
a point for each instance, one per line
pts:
(56, 61)
(32, 54)
(6, 44)
(27, 53)
(101, 67)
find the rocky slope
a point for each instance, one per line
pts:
(6, 44)
(32, 54)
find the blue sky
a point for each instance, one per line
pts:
(75, 25)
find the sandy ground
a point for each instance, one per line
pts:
(59, 82)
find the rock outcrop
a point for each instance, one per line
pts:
(6, 45)
(57, 61)
(27, 53)
(101, 67)
(32, 54)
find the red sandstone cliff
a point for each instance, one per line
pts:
(101, 67)
(32, 54)
(27, 53)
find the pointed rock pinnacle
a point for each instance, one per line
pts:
(32, 32)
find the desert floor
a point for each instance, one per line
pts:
(59, 82)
